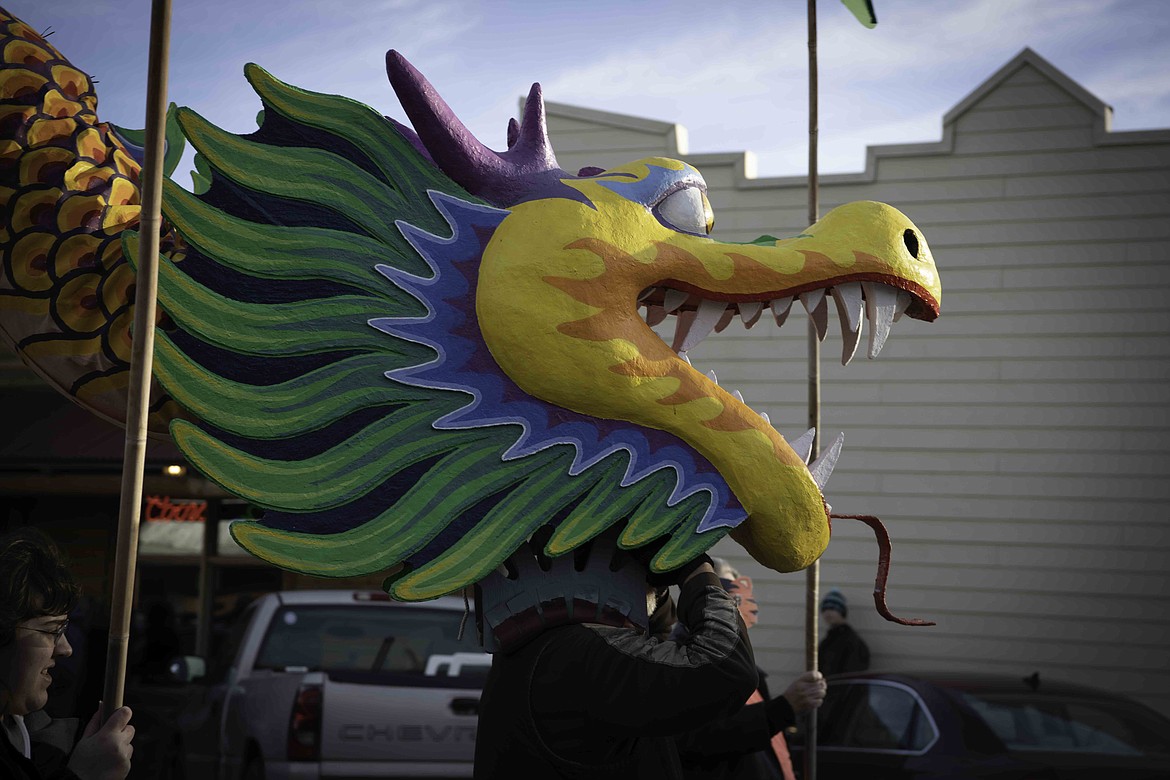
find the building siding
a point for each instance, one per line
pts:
(1017, 448)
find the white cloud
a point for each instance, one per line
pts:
(737, 88)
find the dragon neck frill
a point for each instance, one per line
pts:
(463, 363)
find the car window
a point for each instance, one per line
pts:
(400, 646)
(874, 715)
(1067, 725)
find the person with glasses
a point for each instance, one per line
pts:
(37, 592)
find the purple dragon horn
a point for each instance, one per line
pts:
(526, 170)
(534, 128)
(513, 132)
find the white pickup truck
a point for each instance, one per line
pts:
(336, 684)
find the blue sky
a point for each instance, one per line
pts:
(733, 72)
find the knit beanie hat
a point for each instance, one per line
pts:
(835, 600)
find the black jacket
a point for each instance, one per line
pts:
(738, 747)
(50, 745)
(842, 650)
(598, 702)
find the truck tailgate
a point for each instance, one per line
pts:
(362, 722)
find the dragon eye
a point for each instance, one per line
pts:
(687, 210)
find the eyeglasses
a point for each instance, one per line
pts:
(56, 633)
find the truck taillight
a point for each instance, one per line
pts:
(371, 596)
(304, 725)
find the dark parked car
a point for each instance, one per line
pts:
(887, 726)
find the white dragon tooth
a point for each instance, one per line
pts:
(822, 467)
(848, 299)
(682, 328)
(750, 312)
(725, 320)
(849, 347)
(683, 356)
(764, 416)
(654, 315)
(803, 446)
(645, 294)
(704, 321)
(812, 299)
(738, 396)
(881, 302)
(780, 308)
(849, 312)
(712, 377)
(673, 299)
(904, 299)
(818, 311)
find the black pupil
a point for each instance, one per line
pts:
(911, 241)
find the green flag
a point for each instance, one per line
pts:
(863, 10)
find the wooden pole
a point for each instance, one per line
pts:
(141, 357)
(813, 573)
(207, 577)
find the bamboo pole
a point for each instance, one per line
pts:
(813, 573)
(141, 357)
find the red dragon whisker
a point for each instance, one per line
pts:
(883, 572)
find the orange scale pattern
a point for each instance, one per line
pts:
(68, 188)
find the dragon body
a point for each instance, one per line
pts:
(417, 354)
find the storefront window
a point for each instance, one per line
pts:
(175, 526)
(172, 526)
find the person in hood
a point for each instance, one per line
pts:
(842, 650)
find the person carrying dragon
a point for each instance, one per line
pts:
(603, 698)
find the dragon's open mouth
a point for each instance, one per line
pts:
(698, 314)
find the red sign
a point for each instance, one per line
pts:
(164, 508)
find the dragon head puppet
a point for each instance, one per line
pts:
(425, 357)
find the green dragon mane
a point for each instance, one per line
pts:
(314, 245)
